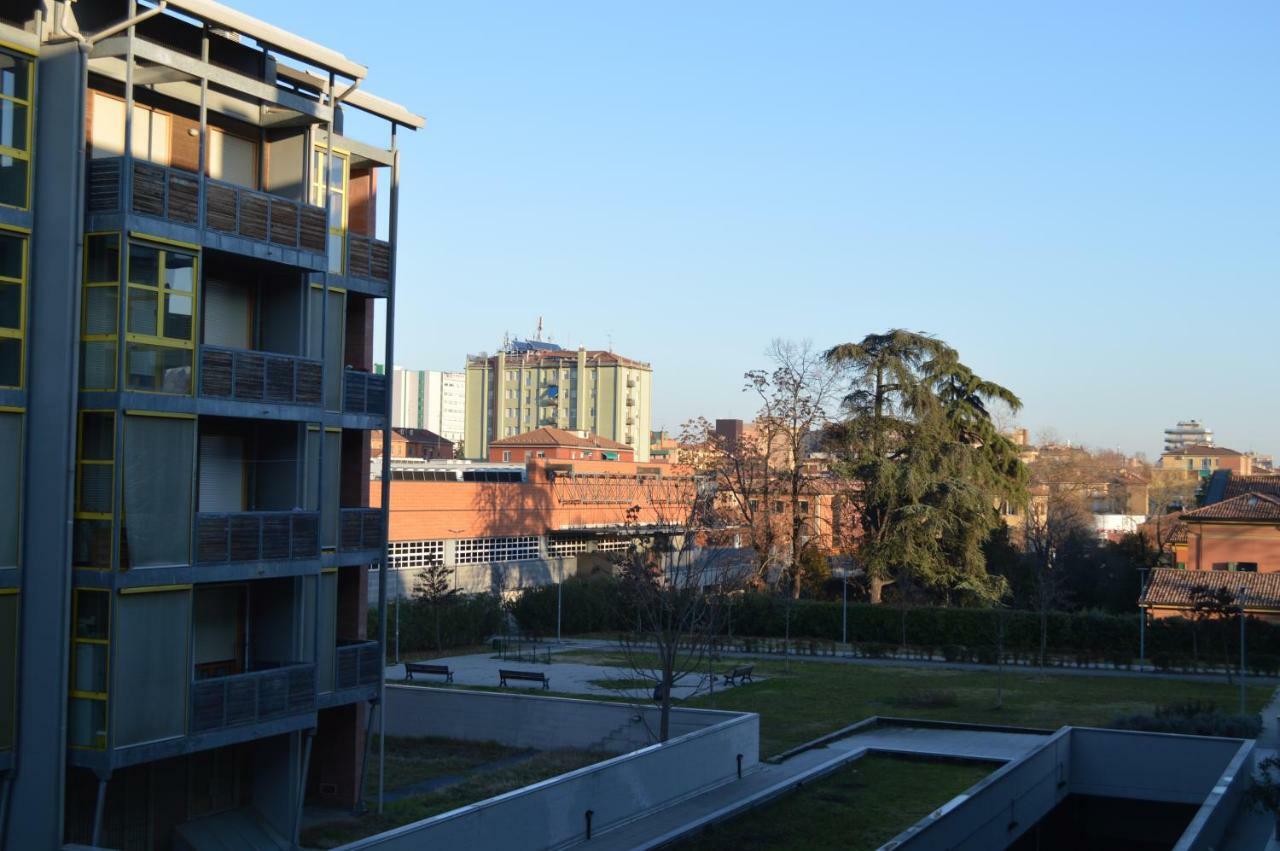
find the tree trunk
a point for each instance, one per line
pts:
(877, 589)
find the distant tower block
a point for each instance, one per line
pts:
(1187, 433)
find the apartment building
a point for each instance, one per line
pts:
(190, 259)
(530, 384)
(429, 399)
(1204, 460)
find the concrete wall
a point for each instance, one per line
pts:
(531, 721)
(552, 814)
(505, 578)
(1110, 763)
(1147, 766)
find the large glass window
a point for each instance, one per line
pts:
(95, 489)
(156, 522)
(90, 646)
(13, 305)
(335, 205)
(100, 311)
(15, 128)
(334, 342)
(160, 319)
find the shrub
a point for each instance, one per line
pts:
(1194, 718)
(464, 620)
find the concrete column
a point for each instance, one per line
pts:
(36, 807)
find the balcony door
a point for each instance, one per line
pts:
(222, 473)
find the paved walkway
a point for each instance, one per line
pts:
(481, 669)
(771, 780)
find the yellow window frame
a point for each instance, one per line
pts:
(163, 248)
(161, 290)
(113, 337)
(19, 333)
(28, 101)
(82, 462)
(319, 198)
(103, 696)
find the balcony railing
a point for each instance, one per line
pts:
(364, 392)
(231, 701)
(361, 529)
(246, 376)
(368, 258)
(359, 664)
(174, 195)
(256, 536)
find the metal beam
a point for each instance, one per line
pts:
(118, 46)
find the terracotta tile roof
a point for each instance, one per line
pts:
(1237, 485)
(1171, 588)
(547, 436)
(1248, 506)
(1201, 451)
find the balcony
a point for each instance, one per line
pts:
(359, 663)
(364, 393)
(245, 376)
(239, 699)
(174, 195)
(368, 258)
(225, 538)
(361, 529)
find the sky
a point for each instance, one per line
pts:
(1082, 198)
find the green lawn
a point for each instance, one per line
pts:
(856, 808)
(814, 698)
(475, 788)
(414, 760)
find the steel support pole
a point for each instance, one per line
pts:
(1242, 711)
(1142, 624)
(393, 231)
(559, 600)
(98, 808)
(309, 737)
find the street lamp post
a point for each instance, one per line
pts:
(1242, 590)
(1142, 622)
(844, 609)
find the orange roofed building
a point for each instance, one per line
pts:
(560, 445)
(1233, 543)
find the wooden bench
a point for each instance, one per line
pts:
(411, 668)
(741, 673)
(532, 676)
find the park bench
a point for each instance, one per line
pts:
(742, 673)
(532, 676)
(411, 668)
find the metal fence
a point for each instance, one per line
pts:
(238, 699)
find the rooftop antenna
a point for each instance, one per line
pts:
(538, 336)
(609, 337)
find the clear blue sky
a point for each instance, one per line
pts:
(1084, 198)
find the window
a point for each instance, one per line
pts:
(13, 305)
(90, 642)
(506, 455)
(232, 159)
(95, 489)
(160, 319)
(15, 128)
(330, 479)
(482, 550)
(100, 311)
(410, 554)
(156, 478)
(337, 203)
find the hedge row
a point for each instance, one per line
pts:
(595, 605)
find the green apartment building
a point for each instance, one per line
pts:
(530, 384)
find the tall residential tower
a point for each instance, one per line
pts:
(530, 384)
(190, 259)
